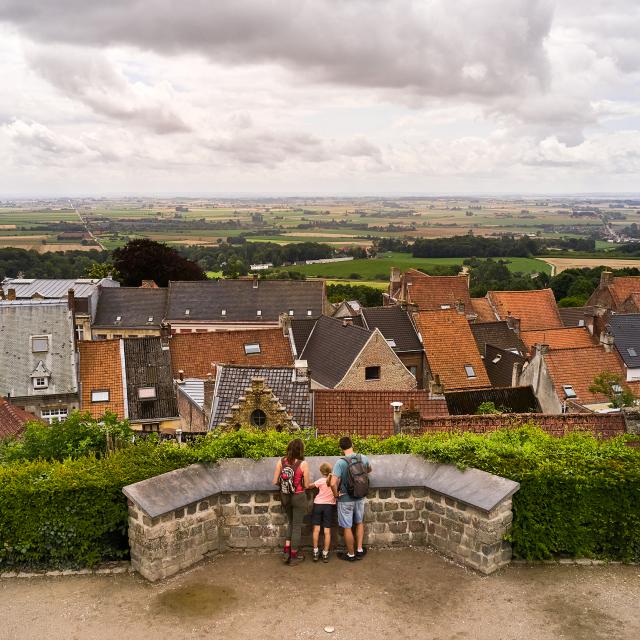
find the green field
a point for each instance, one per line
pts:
(378, 269)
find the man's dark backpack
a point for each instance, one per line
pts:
(357, 477)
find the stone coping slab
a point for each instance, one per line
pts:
(175, 489)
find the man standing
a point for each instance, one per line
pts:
(350, 484)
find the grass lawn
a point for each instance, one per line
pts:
(378, 269)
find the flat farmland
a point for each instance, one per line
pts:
(561, 264)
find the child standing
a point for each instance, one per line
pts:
(322, 514)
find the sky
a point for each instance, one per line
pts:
(319, 97)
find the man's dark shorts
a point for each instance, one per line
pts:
(322, 515)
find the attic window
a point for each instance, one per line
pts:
(391, 342)
(150, 319)
(39, 344)
(469, 370)
(290, 312)
(118, 318)
(187, 312)
(252, 347)
(309, 312)
(223, 312)
(445, 306)
(372, 373)
(569, 391)
(146, 393)
(259, 312)
(631, 351)
(581, 323)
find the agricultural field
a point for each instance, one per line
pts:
(560, 264)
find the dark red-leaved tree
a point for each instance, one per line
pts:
(146, 259)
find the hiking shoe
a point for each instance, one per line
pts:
(316, 556)
(361, 554)
(285, 556)
(325, 557)
(347, 557)
(295, 560)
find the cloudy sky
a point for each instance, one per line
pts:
(319, 96)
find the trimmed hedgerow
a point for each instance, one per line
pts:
(579, 496)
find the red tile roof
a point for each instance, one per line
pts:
(197, 353)
(566, 338)
(536, 309)
(13, 419)
(623, 286)
(482, 308)
(449, 345)
(578, 368)
(101, 370)
(432, 292)
(368, 412)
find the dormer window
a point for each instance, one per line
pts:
(150, 319)
(118, 318)
(632, 352)
(259, 313)
(223, 312)
(569, 392)
(40, 383)
(469, 370)
(309, 312)
(290, 312)
(187, 312)
(40, 344)
(253, 347)
(146, 393)
(391, 342)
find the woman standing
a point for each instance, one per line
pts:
(292, 476)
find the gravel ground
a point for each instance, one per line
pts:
(408, 594)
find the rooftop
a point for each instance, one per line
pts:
(496, 333)
(54, 287)
(564, 338)
(368, 412)
(482, 308)
(131, 307)
(197, 354)
(536, 309)
(626, 335)
(573, 316)
(451, 349)
(510, 399)
(13, 419)
(621, 287)
(395, 325)
(436, 292)
(499, 365)
(100, 369)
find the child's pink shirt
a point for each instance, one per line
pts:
(325, 495)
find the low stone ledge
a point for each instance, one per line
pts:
(108, 568)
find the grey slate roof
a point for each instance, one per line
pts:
(499, 365)
(134, 305)
(511, 399)
(19, 321)
(625, 329)
(394, 324)
(301, 329)
(573, 316)
(147, 364)
(497, 334)
(232, 381)
(55, 287)
(332, 348)
(241, 300)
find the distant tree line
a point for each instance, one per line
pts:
(51, 264)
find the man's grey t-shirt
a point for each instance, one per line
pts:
(340, 471)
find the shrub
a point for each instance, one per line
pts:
(578, 495)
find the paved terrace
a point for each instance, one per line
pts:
(408, 594)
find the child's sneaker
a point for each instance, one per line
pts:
(316, 556)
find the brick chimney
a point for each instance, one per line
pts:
(395, 277)
(284, 322)
(165, 335)
(606, 340)
(11, 294)
(513, 323)
(209, 389)
(71, 300)
(606, 278)
(435, 386)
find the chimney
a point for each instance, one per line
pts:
(395, 275)
(542, 349)
(11, 294)
(255, 280)
(165, 334)
(180, 376)
(435, 386)
(459, 306)
(606, 278)
(513, 323)
(301, 370)
(347, 322)
(284, 322)
(397, 416)
(515, 374)
(606, 340)
(71, 300)
(209, 388)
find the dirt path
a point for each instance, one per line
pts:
(407, 594)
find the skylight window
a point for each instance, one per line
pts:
(290, 312)
(252, 347)
(187, 312)
(223, 312)
(118, 318)
(259, 312)
(469, 370)
(391, 342)
(569, 391)
(309, 312)
(150, 319)
(445, 306)
(631, 351)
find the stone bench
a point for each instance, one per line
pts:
(178, 518)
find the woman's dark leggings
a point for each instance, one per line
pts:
(295, 507)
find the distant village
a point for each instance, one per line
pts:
(198, 356)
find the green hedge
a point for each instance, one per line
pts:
(579, 496)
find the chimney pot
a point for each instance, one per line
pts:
(606, 278)
(181, 375)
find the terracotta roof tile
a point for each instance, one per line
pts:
(482, 308)
(368, 412)
(449, 346)
(430, 293)
(624, 286)
(578, 368)
(101, 370)
(195, 353)
(536, 309)
(13, 419)
(566, 338)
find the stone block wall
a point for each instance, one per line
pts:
(395, 517)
